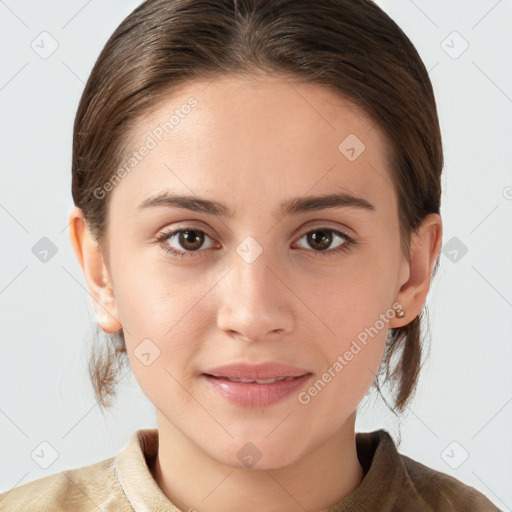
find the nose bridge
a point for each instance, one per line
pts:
(251, 278)
(253, 301)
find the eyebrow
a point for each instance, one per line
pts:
(289, 207)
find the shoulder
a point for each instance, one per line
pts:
(406, 484)
(443, 492)
(92, 487)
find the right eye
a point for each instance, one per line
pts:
(183, 242)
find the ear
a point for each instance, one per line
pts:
(91, 259)
(425, 248)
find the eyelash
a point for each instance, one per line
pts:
(162, 238)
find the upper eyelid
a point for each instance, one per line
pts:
(348, 238)
(314, 224)
(167, 233)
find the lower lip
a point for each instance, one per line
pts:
(252, 394)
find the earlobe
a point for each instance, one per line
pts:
(90, 258)
(425, 249)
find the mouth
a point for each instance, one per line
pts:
(245, 372)
(256, 386)
(257, 381)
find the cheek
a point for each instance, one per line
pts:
(351, 357)
(352, 297)
(155, 298)
(354, 307)
(164, 316)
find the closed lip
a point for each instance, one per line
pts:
(256, 371)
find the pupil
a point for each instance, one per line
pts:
(324, 239)
(191, 239)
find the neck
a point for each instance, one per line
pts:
(191, 479)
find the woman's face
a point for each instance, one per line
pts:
(249, 283)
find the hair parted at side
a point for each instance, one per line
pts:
(350, 46)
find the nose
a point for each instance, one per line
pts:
(254, 301)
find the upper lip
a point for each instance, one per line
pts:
(257, 371)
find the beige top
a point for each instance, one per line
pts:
(124, 483)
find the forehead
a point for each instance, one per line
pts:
(255, 137)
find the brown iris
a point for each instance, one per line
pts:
(191, 239)
(324, 239)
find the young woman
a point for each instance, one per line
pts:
(257, 191)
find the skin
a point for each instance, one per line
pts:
(250, 144)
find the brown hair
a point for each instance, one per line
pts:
(351, 46)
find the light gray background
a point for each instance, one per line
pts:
(464, 401)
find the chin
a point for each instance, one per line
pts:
(254, 455)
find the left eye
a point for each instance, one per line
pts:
(321, 239)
